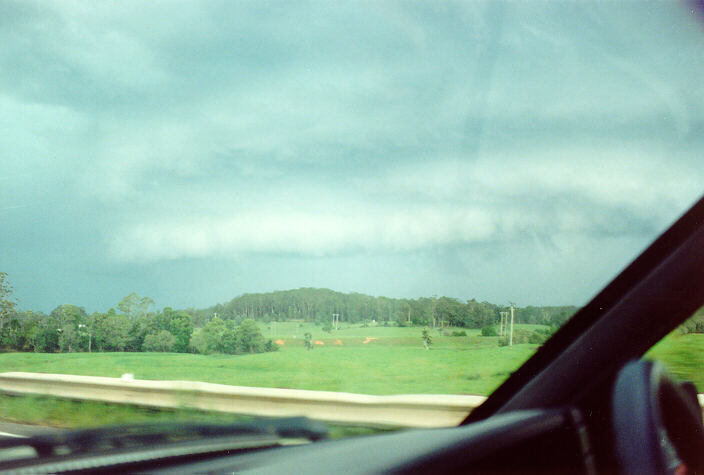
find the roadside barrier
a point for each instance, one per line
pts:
(417, 410)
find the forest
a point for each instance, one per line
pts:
(318, 305)
(133, 325)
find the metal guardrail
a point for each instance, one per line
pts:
(418, 410)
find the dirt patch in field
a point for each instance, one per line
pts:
(318, 342)
(280, 342)
(338, 342)
(369, 338)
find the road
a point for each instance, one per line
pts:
(10, 429)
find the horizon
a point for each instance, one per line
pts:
(224, 302)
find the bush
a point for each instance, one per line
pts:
(489, 330)
(271, 346)
(327, 328)
(693, 325)
(161, 342)
(538, 337)
(248, 338)
(520, 336)
(459, 333)
(427, 339)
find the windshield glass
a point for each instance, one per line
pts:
(379, 198)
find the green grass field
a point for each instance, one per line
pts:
(371, 369)
(371, 360)
(295, 330)
(683, 356)
(394, 363)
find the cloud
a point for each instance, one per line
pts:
(422, 206)
(300, 233)
(455, 136)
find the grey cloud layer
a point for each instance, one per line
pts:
(152, 134)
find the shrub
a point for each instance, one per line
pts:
(427, 339)
(538, 337)
(162, 342)
(271, 346)
(693, 325)
(489, 330)
(519, 336)
(248, 338)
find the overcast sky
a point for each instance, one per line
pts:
(194, 151)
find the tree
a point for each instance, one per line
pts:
(109, 331)
(161, 342)
(7, 306)
(249, 337)
(308, 341)
(135, 306)
(209, 338)
(69, 317)
(136, 331)
(427, 340)
(179, 324)
(43, 337)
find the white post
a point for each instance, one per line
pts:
(510, 338)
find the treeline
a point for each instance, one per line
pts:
(132, 327)
(318, 305)
(233, 328)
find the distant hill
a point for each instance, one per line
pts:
(310, 304)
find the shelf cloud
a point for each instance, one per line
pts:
(474, 149)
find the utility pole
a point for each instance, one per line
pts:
(510, 338)
(435, 303)
(335, 320)
(502, 325)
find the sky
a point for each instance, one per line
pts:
(195, 151)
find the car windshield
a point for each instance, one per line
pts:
(375, 198)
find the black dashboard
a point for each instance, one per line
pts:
(545, 441)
